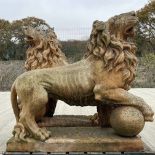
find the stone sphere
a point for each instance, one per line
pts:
(127, 121)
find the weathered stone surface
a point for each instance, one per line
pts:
(127, 121)
(79, 139)
(66, 121)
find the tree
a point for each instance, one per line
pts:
(4, 38)
(74, 49)
(146, 29)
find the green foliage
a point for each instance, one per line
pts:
(5, 37)
(148, 59)
(146, 29)
(145, 72)
(74, 50)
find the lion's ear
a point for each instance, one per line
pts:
(95, 22)
(98, 25)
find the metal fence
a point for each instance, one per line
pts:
(73, 33)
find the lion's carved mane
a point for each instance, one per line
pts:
(117, 54)
(44, 50)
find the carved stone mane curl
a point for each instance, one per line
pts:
(44, 50)
(118, 55)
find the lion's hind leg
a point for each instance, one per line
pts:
(50, 107)
(34, 107)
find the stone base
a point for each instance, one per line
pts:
(78, 139)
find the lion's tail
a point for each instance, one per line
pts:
(14, 101)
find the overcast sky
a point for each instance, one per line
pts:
(72, 17)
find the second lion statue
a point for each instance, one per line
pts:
(102, 77)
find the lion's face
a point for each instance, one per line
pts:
(32, 36)
(123, 25)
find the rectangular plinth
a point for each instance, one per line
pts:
(79, 139)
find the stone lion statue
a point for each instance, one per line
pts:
(102, 78)
(44, 52)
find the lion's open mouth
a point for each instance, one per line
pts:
(28, 38)
(130, 30)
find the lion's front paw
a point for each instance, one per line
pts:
(42, 134)
(148, 113)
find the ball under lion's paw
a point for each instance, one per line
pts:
(127, 121)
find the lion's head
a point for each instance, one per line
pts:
(123, 26)
(109, 42)
(44, 50)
